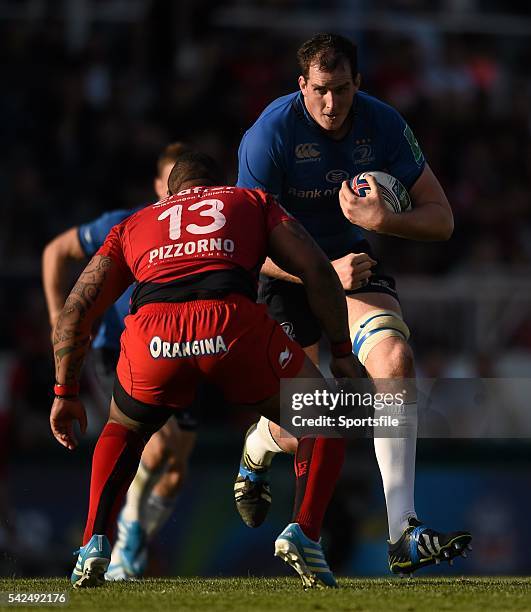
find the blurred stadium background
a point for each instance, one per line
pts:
(91, 92)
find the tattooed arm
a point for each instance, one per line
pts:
(101, 283)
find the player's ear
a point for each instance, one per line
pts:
(357, 81)
(302, 83)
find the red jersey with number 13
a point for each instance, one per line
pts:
(196, 230)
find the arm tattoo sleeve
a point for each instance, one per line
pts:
(72, 332)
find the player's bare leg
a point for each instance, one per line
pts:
(380, 341)
(160, 503)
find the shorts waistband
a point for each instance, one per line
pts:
(209, 285)
(177, 307)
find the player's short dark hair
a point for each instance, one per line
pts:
(195, 166)
(327, 51)
(170, 154)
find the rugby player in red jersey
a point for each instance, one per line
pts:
(163, 467)
(196, 256)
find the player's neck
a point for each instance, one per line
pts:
(201, 182)
(341, 132)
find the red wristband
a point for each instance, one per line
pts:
(66, 390)
(341, 349)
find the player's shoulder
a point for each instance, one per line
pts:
(93, 233)
(278, 110)
(263, 200)
(275, 118)
(109, 219)
(140, 212)
(254, 196)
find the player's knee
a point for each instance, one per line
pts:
(398, 362)
(375, 327)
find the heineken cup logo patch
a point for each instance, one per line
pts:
(415, 149)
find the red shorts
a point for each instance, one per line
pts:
(167, 349)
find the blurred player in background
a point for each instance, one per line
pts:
(163, 467)
(302, 149)
(195, 257)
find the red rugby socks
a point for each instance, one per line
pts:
(114, 465)
(318, 462)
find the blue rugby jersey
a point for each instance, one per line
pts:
(91, 236)
(287, 154)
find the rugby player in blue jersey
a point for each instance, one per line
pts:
(152, 494)
(303, 148)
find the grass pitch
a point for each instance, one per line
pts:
(286, 594)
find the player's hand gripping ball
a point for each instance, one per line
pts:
(394, 194)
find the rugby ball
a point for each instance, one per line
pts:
(394, 194)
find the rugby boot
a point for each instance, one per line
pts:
(420, 546)
(129, 555)
(305, 556)
(251, 489)
(92, 562)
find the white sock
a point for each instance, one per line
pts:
(155, 512)
(260, 447)
(139, 489)
(396, 460)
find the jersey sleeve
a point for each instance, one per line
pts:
(259, 164)
(113, 248)
(275, 214)
(405, 159)
(92, 234)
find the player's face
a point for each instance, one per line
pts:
(161, 182)
(328, 96)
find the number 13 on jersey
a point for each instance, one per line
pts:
(210, 209)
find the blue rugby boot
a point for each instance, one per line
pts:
(305, 556)
(420, 546)
(129, 555)
(92, 563)
(252, 493)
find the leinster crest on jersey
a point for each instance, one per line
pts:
(363, 153)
